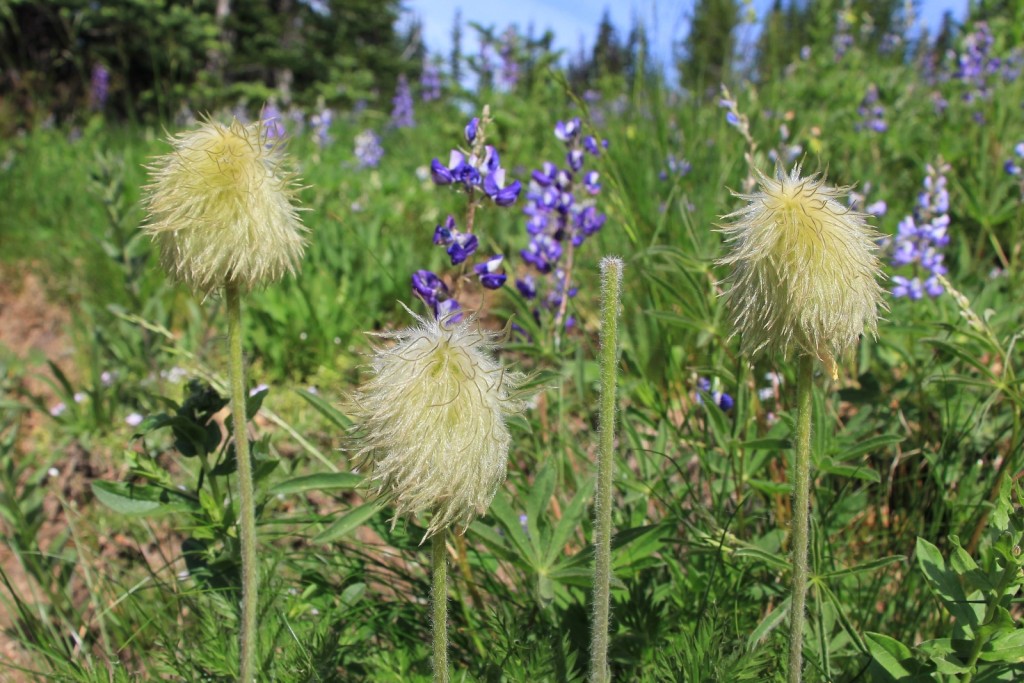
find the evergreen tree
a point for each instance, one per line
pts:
(708, 49)
(609, 56)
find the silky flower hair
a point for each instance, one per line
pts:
(804, 269)
(431, 422)
(222, 211)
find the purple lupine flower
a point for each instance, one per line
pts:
(920, 238)
(495, 188)
(542, 252)
(1013, 166)
(675, 166)
(904, 287)
(575, 159)
(877, 209)
(462, 246)
(443, 232)
(567, 131)
(430, 83)
(321, 123)
(446, 175)
(402, 105)
(428, 286)
(99, 86)
(871, 113)
(560, 209)
(491, 274)
(448, 310)
(527, 286)
(368, 150)
(272, 124)
(471, 129)
(721, 399)
(842, 40)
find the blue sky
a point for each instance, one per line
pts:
(576, 20)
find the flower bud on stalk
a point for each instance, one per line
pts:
(804, 279)
(222, 209)
(222, 213)
(432, 421)
(804, 269)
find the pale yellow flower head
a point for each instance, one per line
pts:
(431, 421)
(222, 209)
(805, 272)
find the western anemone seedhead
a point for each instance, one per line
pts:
(804, 269)
(431, 422)
(221, 209)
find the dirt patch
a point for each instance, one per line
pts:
(32, 329)
(31, 324)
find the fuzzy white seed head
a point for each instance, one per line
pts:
(221, 209)
(804, 272)
(431, 421)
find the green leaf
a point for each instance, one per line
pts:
(325, 409)
(767, 444)
(864, 567)
(941, 652)
(253, 403)
(327, 481)
(509, 520)
(569, 522)
(141, 500)
(1006, 647)
(348, 522)
(945, 584)
(875, 443)
(769, 624)
(829, 466)
(889, 653)
(770, 488)
(537, 502)
(771, 559)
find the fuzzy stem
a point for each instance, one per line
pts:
(247, 509)
(801, 512)
(439, 598)
(611, 289)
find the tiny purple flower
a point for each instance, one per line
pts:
(527, 286)
(489, 272)
(471, 129)
(462, 247)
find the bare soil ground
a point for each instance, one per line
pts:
(32, 327)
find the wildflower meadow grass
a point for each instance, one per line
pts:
(523, 383)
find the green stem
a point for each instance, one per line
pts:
(247, 509)
(801, 513)
(1008, 576)
(439, 598)
(611, 288)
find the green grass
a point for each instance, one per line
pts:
(907, 444)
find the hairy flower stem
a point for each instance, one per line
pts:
(439, 598)
(611, 289)
(801, 512)
(247, 509)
